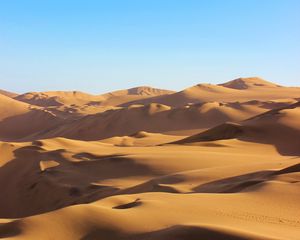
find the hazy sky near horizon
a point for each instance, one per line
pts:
(104, 45)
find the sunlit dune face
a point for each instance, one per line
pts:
(209, 162)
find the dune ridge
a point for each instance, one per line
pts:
(8, 94)
(278, 127)
(208, 162)
(252, 89)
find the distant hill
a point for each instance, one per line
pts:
(241, 89)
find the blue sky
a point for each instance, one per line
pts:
(103, 45)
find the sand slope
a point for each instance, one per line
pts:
(242, 89)
(150, 177)
(18, 119)
(279, 127)
(8, 94)
(92, 117)
(56, 98)
(155, 118)
(74, 104)
(76, 98)
(10, 107)
(143, 181)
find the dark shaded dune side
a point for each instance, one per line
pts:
(290, 169)
(274, 111)
(32, 190)
(15, 128)
(10, 229)
(156, 118)
(223, 131)
(177, 232)
(244, 182)
(278, 127)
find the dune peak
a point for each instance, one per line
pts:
(147, 91)
(246, 83)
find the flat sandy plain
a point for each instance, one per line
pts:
(208, 162)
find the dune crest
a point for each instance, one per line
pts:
(208, 162)
(246, 83)
(8, 94)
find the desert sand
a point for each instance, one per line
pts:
(208, 162)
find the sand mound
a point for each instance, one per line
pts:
(18, 119)
(73, 104)
(141, 138)
(246, 83)
(132, 188)
(27, 123)
(79, 115)
(143, 90)
(155, 118)
(241, 89)
(278, 127)
(237, 178)
(156, 108)
(57, 98)
(133, 94)
(10, 107)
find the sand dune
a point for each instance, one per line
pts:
(57, 98)
(18, 119)
(279, 127)
(209, 162)
(76, 98)
(143, 182)
(74, 104)
(157, 118)
(153, 118)
(91, 117)
(242, 89)
(8, 94)
(247, 83)
(123, 96)
(10, 107)
(141, 138)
